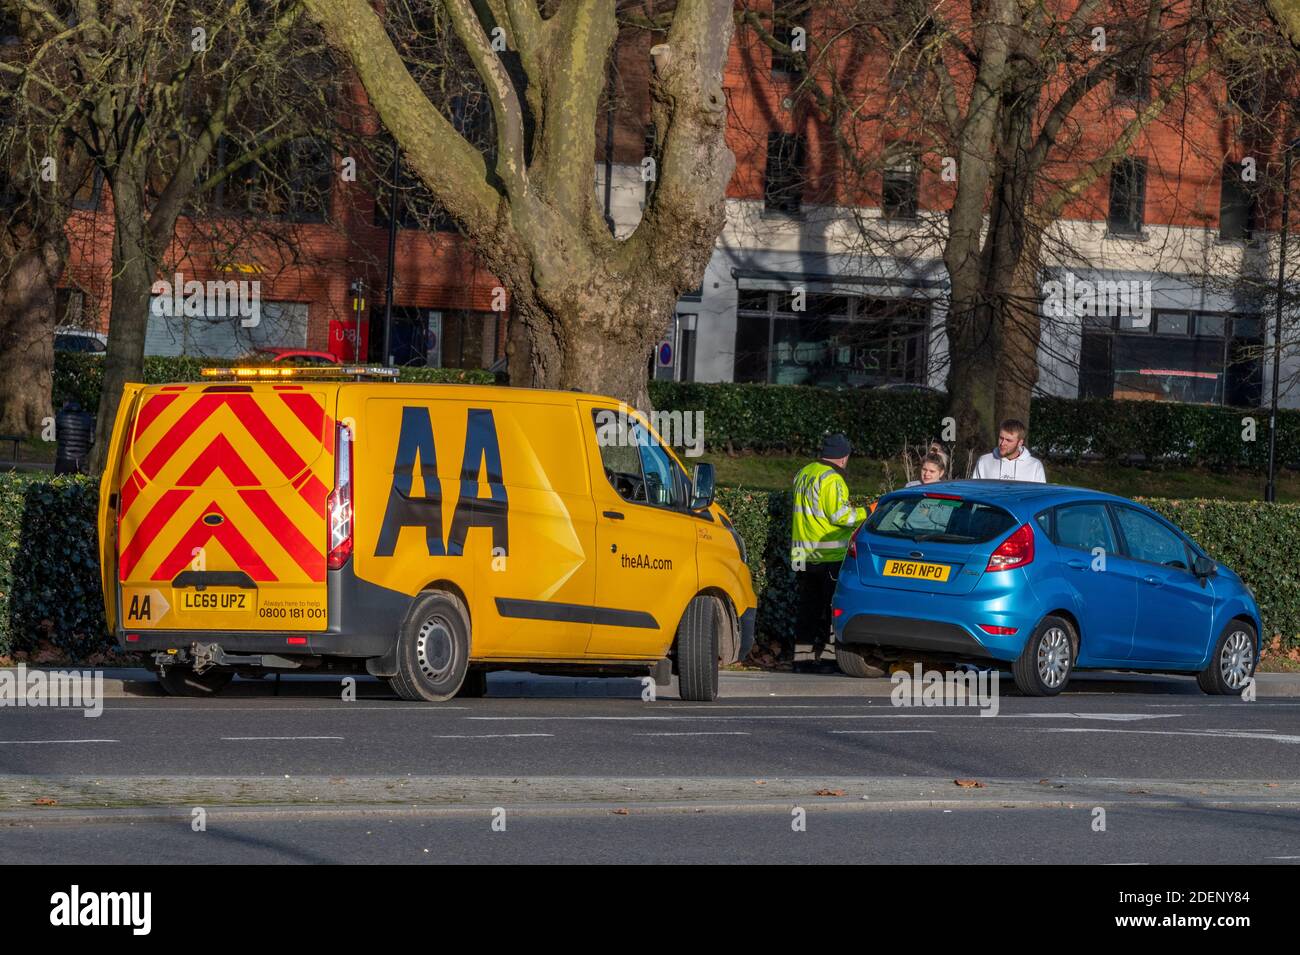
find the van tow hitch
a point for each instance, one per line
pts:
(206, 655)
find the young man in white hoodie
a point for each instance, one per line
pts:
(1012, 460)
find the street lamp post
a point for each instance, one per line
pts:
(1270, 489)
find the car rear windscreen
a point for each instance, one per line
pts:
(918, 518)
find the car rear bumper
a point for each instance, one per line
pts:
(941, 624)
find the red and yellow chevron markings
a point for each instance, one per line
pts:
(244, 476)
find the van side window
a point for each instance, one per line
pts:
(635, 464)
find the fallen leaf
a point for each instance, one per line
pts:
(45, 801)
(969, 783)
(829, 792)
(619, 812)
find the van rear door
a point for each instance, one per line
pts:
(222, 517)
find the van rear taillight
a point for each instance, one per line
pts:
(1016, 551)
(339, 503)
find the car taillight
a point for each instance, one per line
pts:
(339, 504)
(853, 540)
(1016, 551)
(996, 630)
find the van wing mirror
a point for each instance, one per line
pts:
(703, 486)
(1203, 567)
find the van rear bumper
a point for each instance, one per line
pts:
(363, 622)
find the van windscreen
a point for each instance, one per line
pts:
(951, 520)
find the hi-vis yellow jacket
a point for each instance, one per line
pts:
(823, 518)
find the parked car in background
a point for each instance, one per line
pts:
(83, 340)
(302, 356)
(1043, 579)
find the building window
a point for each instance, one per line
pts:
(415, 204)
(1238, 205)
(438, 338)
(784, 177)
(900, 187)
(784, 24)
(89, 189)
(835, 341)
(1128, 187)
(1194, 357)
(1133, 81)
(291, 182)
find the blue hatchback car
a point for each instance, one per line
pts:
(1043, 579)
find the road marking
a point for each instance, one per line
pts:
(874, 732)
(246, 739)
(1212, 734)
(37, 742)
(703, 733)
(898, 714)
(495, 736)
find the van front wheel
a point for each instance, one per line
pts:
(697, 650)
(432, 649)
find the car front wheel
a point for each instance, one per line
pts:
(1232, 664)
(1044, 666)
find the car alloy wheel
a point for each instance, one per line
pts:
(1235, 659)
(1054, 657)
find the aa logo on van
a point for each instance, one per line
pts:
(482, 453)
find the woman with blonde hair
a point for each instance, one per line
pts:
(934, 466)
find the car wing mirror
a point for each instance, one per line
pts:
(1204, 567)
(703, 486)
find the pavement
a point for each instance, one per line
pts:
(786, 767)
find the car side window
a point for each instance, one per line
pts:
(1044, 521)
(1149, 540)
(635, 463)
(1085, 527)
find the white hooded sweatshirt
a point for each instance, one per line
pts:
(994, 467)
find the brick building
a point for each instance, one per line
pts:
(861, 252)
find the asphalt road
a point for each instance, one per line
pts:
(1182, 778)
(1136, 836)
(1076, 735)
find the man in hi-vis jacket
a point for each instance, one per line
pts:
(822, 523)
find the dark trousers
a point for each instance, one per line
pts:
(816, 588)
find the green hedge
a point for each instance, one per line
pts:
(49, 565)
(79, 377)
(49, 575)
(793, 419)
(1261, 542)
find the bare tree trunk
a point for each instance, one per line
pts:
(28, 316)
(135, 264)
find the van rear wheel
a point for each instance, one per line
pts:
(432, 649)
(697, 650)
(181, 680)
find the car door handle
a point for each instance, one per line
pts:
(613, 515)
(1153, 580)
(1077, 564)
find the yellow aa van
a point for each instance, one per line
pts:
(270, 519)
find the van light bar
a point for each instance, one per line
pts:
(302, 371)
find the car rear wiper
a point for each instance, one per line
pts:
(939, 535)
